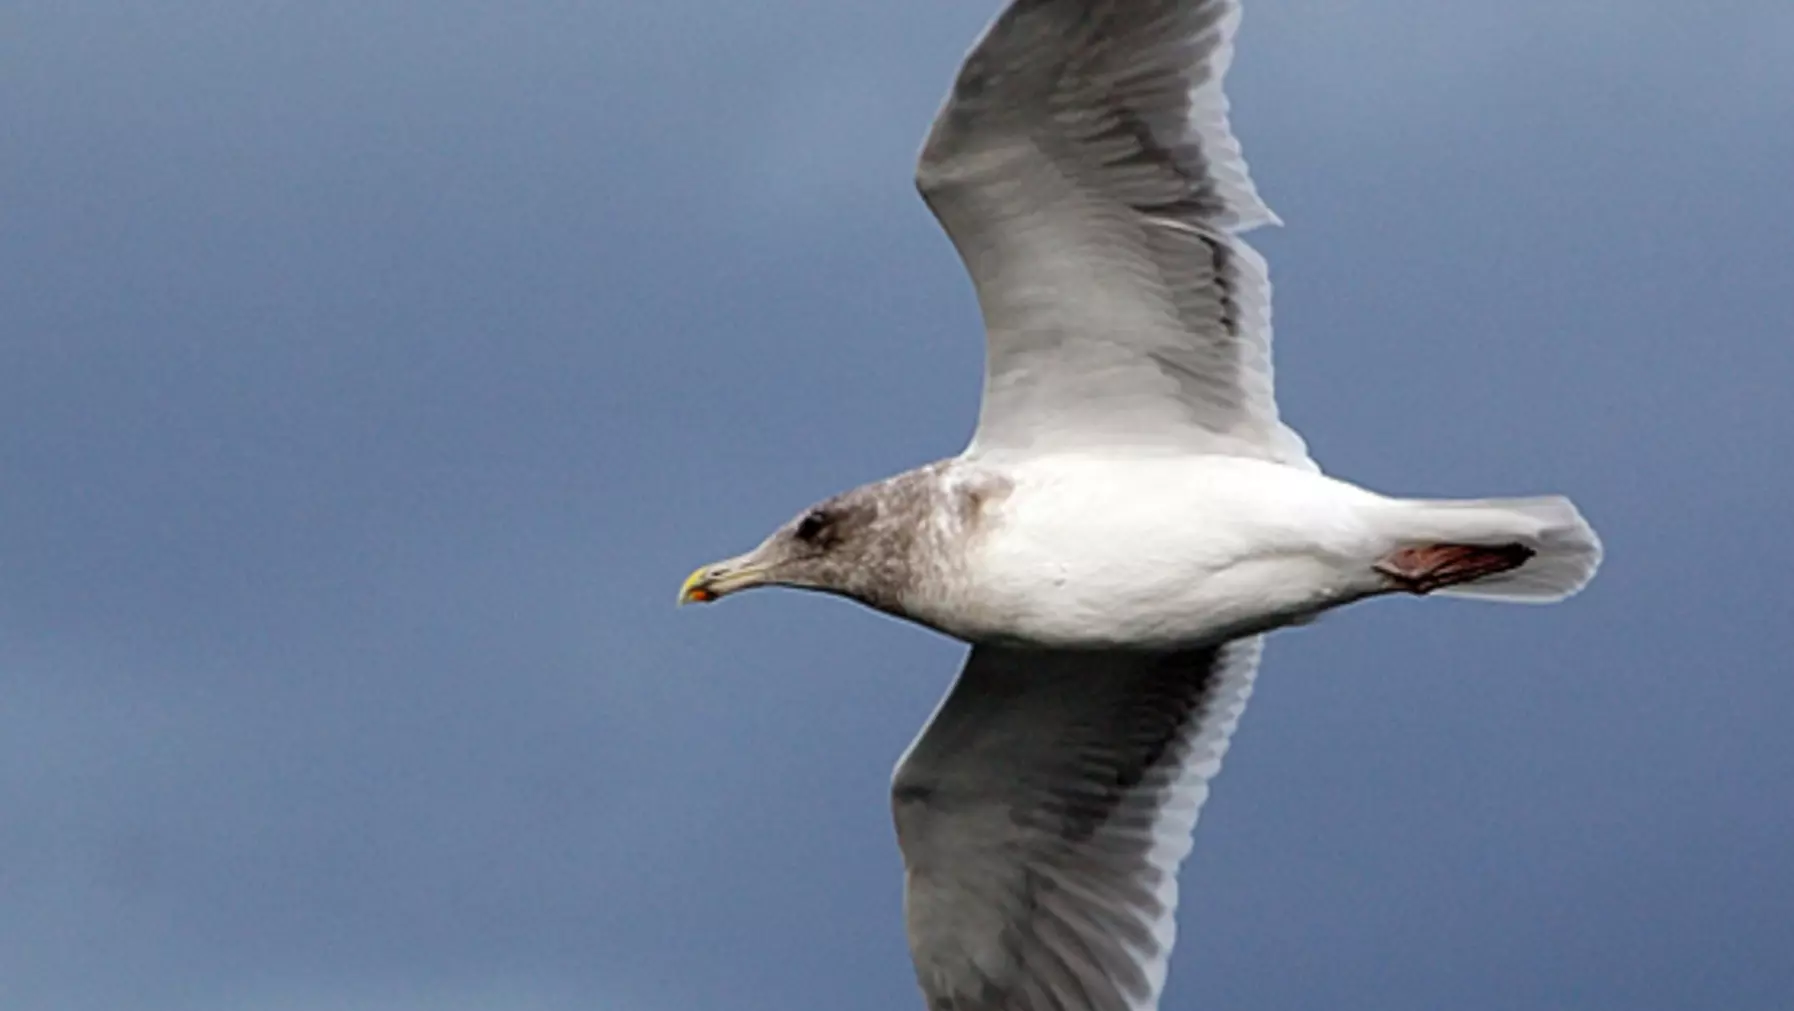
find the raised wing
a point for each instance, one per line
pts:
(1084, 169)
(1043, 814)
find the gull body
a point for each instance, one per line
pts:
(1152, 550)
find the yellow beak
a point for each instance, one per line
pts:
(714, 581)
(694, 591)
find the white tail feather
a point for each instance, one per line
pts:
(1568, 551)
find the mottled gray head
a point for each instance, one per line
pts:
(857, 544)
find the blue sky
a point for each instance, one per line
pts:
(371, 374)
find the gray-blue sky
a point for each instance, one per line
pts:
(371, 373)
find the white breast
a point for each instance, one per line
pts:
(1159, 551)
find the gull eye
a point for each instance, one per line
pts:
(812, 525)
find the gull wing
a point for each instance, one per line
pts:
(1084, 169)
(1043, 813)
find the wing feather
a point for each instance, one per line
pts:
(1043, 814)
(1084, 168)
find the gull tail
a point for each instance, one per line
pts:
(1527, 550)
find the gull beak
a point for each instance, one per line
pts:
(715, 581)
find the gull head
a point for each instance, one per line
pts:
(848, 545)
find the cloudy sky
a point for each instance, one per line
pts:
(371, 374)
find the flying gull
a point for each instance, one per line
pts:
(1129, 519)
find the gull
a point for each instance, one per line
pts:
(1129, 519)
